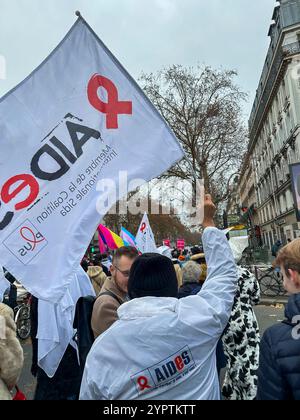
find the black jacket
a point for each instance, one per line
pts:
(279, 371)
(65, 385)
(188, 289)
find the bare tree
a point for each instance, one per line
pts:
(203, 108)
(164, 226)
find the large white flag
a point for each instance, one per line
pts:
(77, 119)
(145, 241)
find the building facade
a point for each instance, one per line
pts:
(275, 131)
(248, 201)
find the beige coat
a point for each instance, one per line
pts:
(178, 274)
(98, 278)
(11, 353)
(105, 308)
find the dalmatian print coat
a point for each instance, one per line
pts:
(241, 341)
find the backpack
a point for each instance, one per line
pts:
(84, 336)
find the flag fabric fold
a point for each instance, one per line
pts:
(102, 245)
(145, 241)
(109, 238)
(55, 323)
(128, 238)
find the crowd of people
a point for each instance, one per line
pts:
(164, 326)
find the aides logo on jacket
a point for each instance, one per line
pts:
(166, 372)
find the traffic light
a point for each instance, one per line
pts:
(92, 249)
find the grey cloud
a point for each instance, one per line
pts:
(145, 35)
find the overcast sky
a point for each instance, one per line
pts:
(145, 35)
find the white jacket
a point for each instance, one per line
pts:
(164, 348)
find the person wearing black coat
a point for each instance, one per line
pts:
(189, 289)
(65, 385)
(279, 369)
(12, 294)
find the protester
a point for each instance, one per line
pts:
(85, 265)
(191, 274)
(114, 290)
(181, 259)
(275, 248)
(172, 255)
(65, 384)
(12, 292)
(279, 369)
(197, 249)
(161, 347)
(175, 254)
(11, 353)
(200, 259)
(97, 275)
(241, 341)
(106, 262)
(177, 267)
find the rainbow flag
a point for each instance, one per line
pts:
(102, 245)
(109, 238)
(128, 238)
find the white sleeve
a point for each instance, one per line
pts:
(89, 391)
(220, 286)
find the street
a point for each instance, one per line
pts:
(266, 315)
(27, 382)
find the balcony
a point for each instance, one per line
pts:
(283, 53)
(291, 49)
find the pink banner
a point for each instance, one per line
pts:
(180, 244)
(167, 242)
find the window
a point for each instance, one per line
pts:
(289, 199)
(271, 212)
(261, 217)
(275, 178)
(283, 206)
(271, 239)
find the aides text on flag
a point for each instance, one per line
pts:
(77, 120)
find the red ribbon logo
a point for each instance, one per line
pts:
(113, 107)
(143, 227)
(143, 383)
(34, 239)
